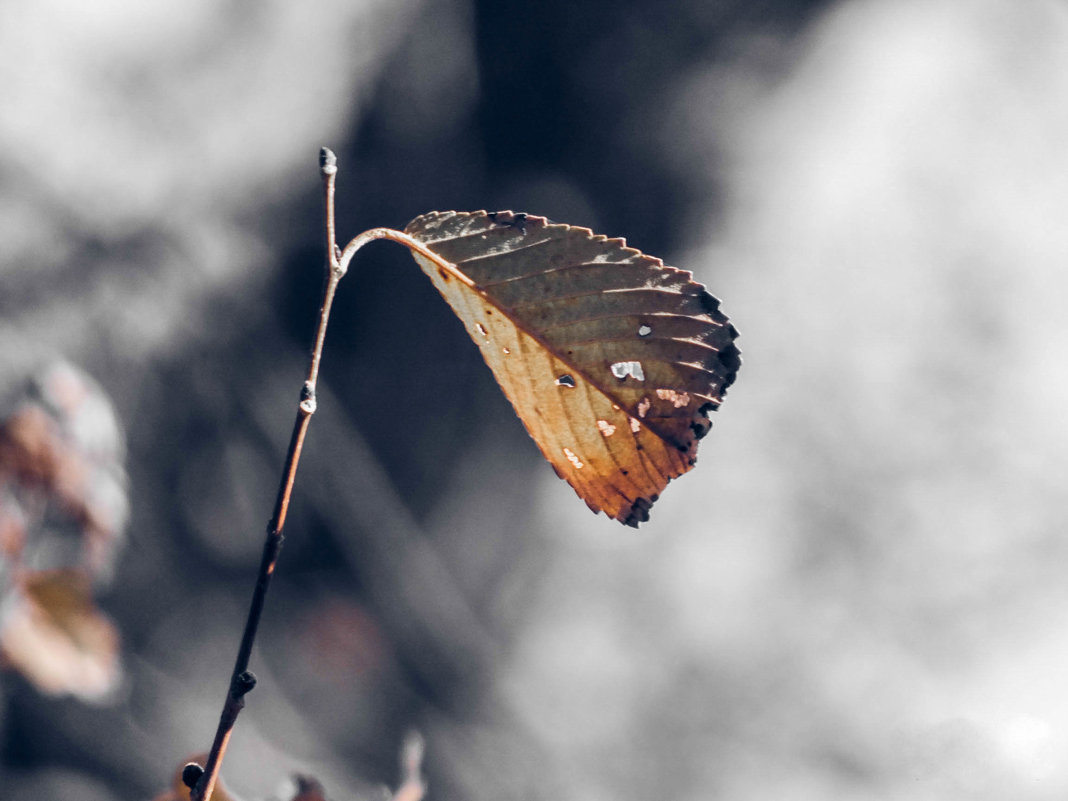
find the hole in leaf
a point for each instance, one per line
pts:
(566, 381)
(505, 351)
(571, 457)
(635, 426)
(606, 428)
(644, 330)
(622, 369)
(643, 407)
(678, 399)
(481, 329)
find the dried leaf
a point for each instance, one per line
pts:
(611, 359)
(53, 634)
(61, 449)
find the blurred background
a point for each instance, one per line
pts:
(859, 592)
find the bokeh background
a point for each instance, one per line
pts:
(858, 594)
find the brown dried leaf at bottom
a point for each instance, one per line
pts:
(52, 633)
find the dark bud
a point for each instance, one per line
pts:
(243, 684)
(191, 774)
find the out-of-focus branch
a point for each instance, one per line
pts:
(412, 787)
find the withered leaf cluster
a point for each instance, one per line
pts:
(63, 508)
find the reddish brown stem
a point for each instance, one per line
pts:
(241, 680)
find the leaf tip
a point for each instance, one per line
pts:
(638, 512)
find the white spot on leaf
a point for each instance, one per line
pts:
(643, 407)
(622, 369)
(481, 329)
(505, 351)
(644, 330)
(606, 428)
(678, 399)
(573, 459)
(635, 426)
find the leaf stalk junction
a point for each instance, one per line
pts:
(202, 781)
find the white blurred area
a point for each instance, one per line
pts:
(859, 592)
(144, 131)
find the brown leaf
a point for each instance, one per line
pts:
(61, 450)
(52, 633)
(611, 359)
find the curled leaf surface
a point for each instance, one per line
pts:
(611, 359)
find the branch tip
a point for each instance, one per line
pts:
(202, 780)
(327, 161)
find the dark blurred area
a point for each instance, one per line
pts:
(858, 593)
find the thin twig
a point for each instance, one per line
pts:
(345, 256)
(241, 680)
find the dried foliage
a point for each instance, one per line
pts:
(62, 510)
(52, 633)
(611, 359)
(873, 604)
